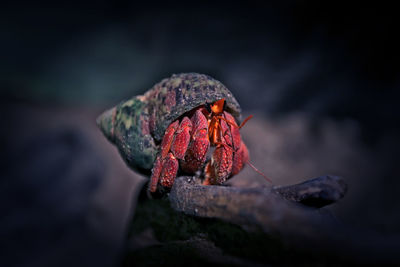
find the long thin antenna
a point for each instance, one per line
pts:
(259, 172)
(246, 120)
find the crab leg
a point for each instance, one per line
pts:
(231, 153)
(155, 174)
(173, 147)
(240, 158)
(241, 154)
(168, 138)
(220, 166)
(199, 145)
(159, 163)
(169, 170)
(182, 138)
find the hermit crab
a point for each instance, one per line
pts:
(172, 126)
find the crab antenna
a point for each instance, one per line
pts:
(246, 120)
(234, 124)
(259, 172)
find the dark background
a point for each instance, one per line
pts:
(330, 59)
(332, 68)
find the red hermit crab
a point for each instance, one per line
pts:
(172, 126)
(187, 141)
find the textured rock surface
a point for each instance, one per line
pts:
(316, 192)
(274, 223)
(263, 208)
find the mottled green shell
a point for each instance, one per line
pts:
(137, 126)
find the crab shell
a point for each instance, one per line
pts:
(136, 126)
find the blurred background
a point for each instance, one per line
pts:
(321, 80)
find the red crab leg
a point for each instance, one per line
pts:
(241, 154)
(182, 138)
(220, 167)
(234, 130)
(168, 138)
(173, 146)
(240, 158)
(199, 145)
(165, 148)
(155, 174)
(169, 171)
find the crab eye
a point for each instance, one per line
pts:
(224, 105)
(208, 107)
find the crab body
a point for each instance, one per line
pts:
(169, 126)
